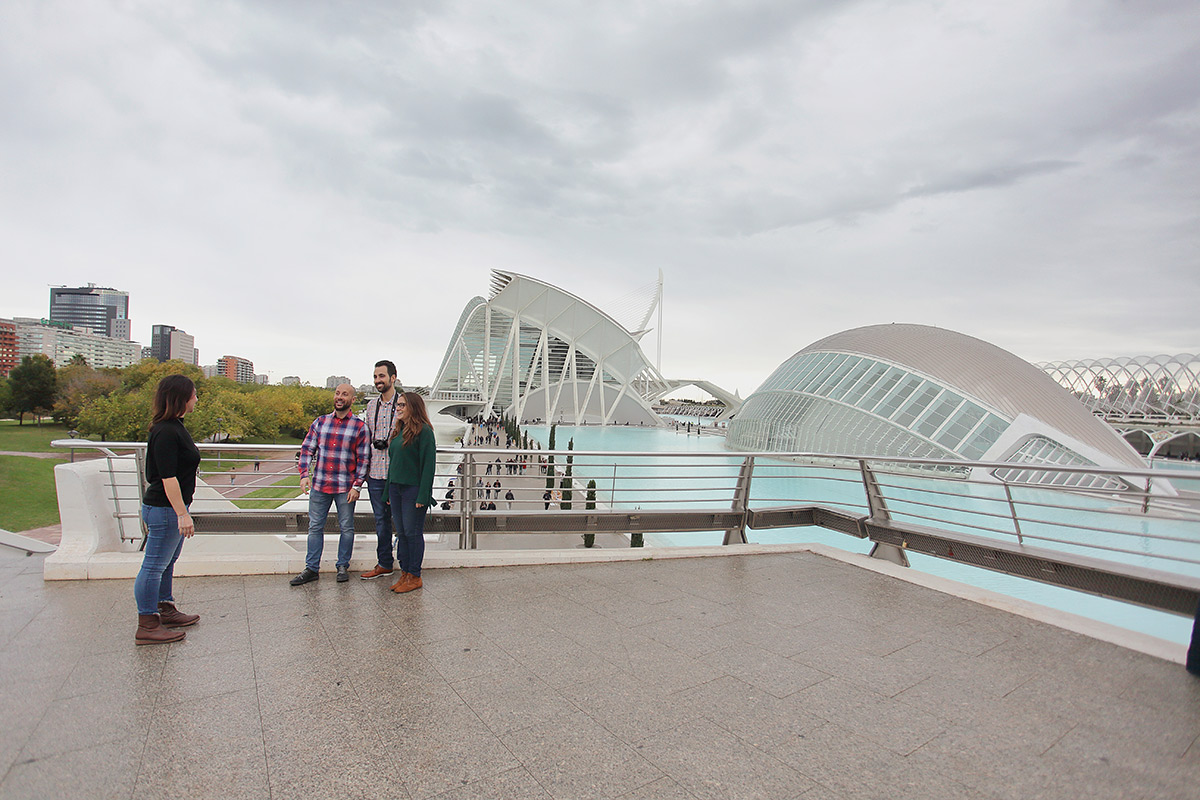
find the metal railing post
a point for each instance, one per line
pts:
(879, 515)
(466, 536)
(741, 502)
(1012, 510)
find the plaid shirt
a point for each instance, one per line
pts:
(386, 413)
(343, 453)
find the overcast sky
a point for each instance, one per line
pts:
(315, 186)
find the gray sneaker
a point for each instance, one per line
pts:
(343, 574)
(304, 577)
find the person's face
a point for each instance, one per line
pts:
(191, 403)
(383, 381)
(343, 397)
(402, 408)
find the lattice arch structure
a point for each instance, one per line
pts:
(1155, 388)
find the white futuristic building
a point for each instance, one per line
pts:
(1160, 388)
(917, 391)
(538, 353)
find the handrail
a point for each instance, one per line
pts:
(954, 510)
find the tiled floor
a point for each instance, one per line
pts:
(773, 676)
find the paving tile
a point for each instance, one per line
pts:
(628, 708)
(661, 789)
(440, 743)
(226, 730)
(102, 771)
(758, 718)
(573, 756)
(83, 721)
(709, 762)
(653, 663)
(466, 657)
(511, 700)
(132, 668)
(194, 676)
(886, 722)
(768, 671)
(512, 784)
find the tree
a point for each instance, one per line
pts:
(78, 384)
(589, 539)
(5, 397)
(550, 459)
(565, 505)
(33, 386)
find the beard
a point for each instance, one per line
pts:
(340, 405)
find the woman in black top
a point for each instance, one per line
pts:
(171, 463)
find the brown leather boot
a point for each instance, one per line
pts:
(413, 582)
(398, 586)
(172, 617)
(151, 631)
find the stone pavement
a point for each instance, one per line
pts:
(776, 676)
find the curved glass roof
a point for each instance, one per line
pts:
(909, 390)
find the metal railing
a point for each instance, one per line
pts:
(1140, 544)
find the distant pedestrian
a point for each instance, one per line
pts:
(257, 464)
(172, 459)
(546, 498)
(509, 497)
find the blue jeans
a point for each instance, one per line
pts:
(409, 522)
(164, 543)
(318, 511)
(377, 491)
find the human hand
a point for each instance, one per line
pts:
(305, 484)
(187, 526)
(352, 495)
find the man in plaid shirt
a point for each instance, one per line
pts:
(338, 450)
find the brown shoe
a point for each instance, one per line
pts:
(172, 617)
(151, 631)
(376, 572)
(398, 586)
(414, 582)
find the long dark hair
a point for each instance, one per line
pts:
(171, 398)
(417, 415)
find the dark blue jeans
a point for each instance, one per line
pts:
(164, 543)
(377, 491)
(318, 511)
(409, 522)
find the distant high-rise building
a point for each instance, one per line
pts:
(334, 381)
(211, 370)
(60, 342)
(8, 346)
(169, 343)
(290, 380)
(105, 311)
(262, 380)
(236, 368)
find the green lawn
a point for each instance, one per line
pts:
(27, 495)
(271, 496)
(29, 438)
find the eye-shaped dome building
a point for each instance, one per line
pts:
(918, 391)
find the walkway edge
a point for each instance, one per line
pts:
(19, 542)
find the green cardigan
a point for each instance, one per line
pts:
(413, 464)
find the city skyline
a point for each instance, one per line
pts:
(320, 191)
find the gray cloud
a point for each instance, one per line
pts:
(1025, 172)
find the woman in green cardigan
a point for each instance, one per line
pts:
(413, 456)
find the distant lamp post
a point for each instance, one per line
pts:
(74, 435)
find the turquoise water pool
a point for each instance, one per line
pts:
(709, 486)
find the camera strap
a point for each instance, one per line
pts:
(391, 416)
